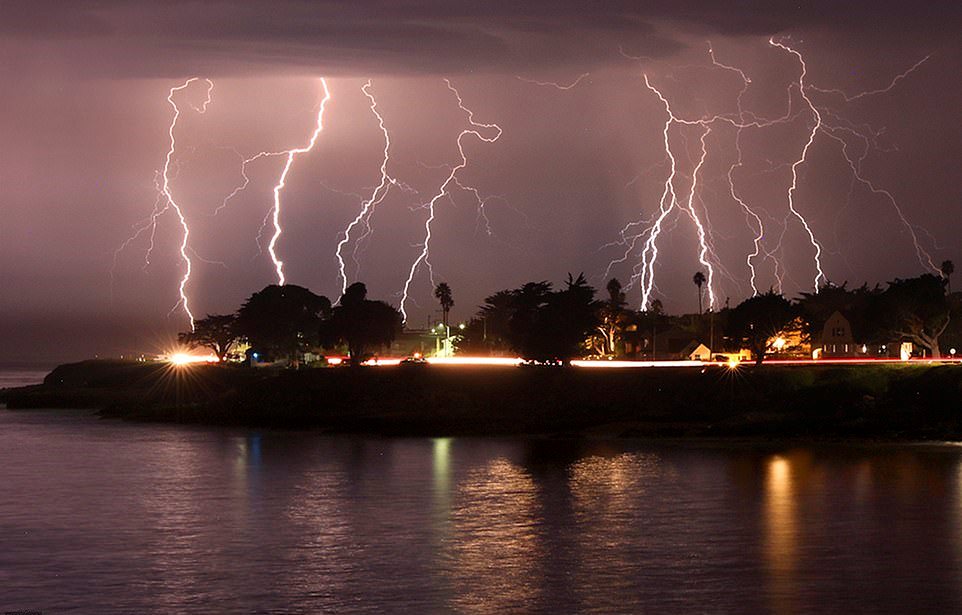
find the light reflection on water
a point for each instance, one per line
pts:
(115, 518)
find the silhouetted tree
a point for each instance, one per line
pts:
(917, 309)
(549, 325)
(759, 319)
(282, 320)
(947, 269)
(361, 323)
(537, 322)
(612, 320)
(443, 293)
(491, 328)
(216, 332)
(699, 279)
(527, 302)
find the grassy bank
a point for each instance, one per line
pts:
(886, 401)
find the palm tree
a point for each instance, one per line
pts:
(698, 279)
(947, 269)
(443, 293)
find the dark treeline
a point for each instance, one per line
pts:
(544, 323)
(541, 323)
(289, 321)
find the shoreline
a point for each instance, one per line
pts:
(886, 403)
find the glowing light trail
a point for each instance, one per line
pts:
(423, 256)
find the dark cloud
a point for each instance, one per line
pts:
(435, 36)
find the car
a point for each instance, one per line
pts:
(414, 361)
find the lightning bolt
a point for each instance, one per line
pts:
(643, 273)
(667, 203)
(646, 232)
(886, 89)
(758, 228)
(819, 275)
(165, 200)
(855, 166)
(165, 188)
(377, 195)
(690, 208)
(423, 256)
(925, 259)
(555, 84)
(275, 212)
(650, 251)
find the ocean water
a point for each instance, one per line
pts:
(108, 517)
(19, 375)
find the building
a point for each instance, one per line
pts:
(837, 339)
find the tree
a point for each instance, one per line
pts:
(216, 333)
(947, 269)
(361, 323)
(443, 293)
(916, 309)
(495, 316)
(758, 320)
(612, 320)
(282, 320)
(648, 322)
(699, 279)
(552, 325)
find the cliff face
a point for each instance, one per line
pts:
(888, 401)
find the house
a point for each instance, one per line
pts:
(696, 351)
(837, 340)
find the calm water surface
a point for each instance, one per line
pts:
(105, 517)
(21, 376)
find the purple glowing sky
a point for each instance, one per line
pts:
(84, 119)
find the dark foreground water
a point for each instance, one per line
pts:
(104, 517)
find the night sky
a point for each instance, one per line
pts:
(84, 119)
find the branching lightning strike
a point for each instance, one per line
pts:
(555, 84)
(165, 199)
(424, 255)
(377, 195)
(282, 181)
(645, 233)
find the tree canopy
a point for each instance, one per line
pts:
(540, 323)
(916, 309)
(216, 332)
(361, 323)
(758, 319)
(282, 320)
(443, 294)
